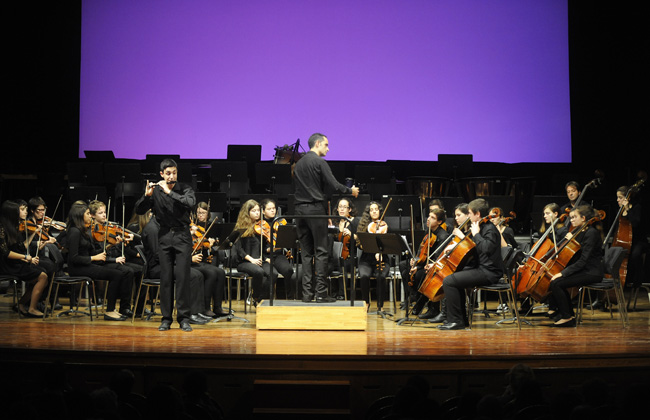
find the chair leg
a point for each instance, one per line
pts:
(581, 304)
(136, 303)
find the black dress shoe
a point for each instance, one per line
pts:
(451, 326)
(110, 318)
(195, 319)
(438, 318)
(31, 315)
(325, 299)
(567, 324)
(165, 325)
(206, 316)
(185, 325)
(306, 299)
(430, 313)
(126, 312)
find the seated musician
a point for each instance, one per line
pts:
(585, 268)
(252, 251)
(572, 192)
(280, 260)
(42, 246)
(346, 230)
(507, 234)
(448, 222)
(632, 213)
(85, 260)
(414, 270)
(214, 277)
(550, 213)
(112, 244)
(487, 268)
(16, 261)
(373, 264)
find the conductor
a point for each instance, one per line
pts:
(311, 176)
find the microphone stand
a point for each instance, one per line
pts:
(228, 196)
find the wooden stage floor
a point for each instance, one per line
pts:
(379, 359)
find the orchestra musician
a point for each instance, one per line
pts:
(584, 269)
(507, 233)
(448, 222)
(311, 175)
(346, 230)
(84, 260)
(572, 189)
(373, 264)
(550, 213)
(16, 261)
(416, 268)
(172, 203)
(487, 268)
(280, 261)
(252, 249)
(214, 277)
(632, 213)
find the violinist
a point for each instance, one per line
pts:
(252, 249)
(487, 268)
(280, 260)
(507, 234)
(632, 214)
(416, 268)
(43, 244)
(16, 261)
(115, 259)
(585, 268)
(84, 260)
(214, 277)
(346, 230)
(373, 264)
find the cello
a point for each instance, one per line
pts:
(555, 260)
(454, 257)
(623, 236)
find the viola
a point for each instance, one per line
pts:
(54, 224)
(198, 237)
(109, 232)
(378, 227)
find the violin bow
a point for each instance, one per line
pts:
(108, 209)
(196, 247)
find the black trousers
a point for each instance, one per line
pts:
(214, 279)
(283, 266)
(368, 267)
(454, 286)
(174, 253)
(260, 276)
(312, 234)
(560, 299)
(119, 280)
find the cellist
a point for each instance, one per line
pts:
(631, 215)
(416, 268)
(487, 268)
(585, 268)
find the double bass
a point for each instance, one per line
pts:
(554, 261)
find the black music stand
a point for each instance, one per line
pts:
(399, 205)
(227, 244)
(287, 237)
(389, 244)
(271, 174)
(229, 172)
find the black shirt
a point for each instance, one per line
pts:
(311, 176)
(172, 210)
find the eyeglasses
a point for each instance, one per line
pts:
(41, 210)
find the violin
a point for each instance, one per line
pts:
(54, 224)
(379, 226)
(508, 219)
(32, 228)
(109, 232)
(198, 236)
(263, 229)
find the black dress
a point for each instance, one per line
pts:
(20, 269)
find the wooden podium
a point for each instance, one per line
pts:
(298, 315)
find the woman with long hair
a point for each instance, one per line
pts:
(16, 261)
(83, 261)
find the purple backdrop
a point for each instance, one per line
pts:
(384, 79)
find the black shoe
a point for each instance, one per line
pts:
(340, 297)
(165, 325)
(195, 319)
(185, 325)
(306, 299)
(206, 316)
(110, 318)
(451, 326)
(325, 299)
(31, 315)
(438, 318)
(429, 314)
(126, 312)
(567, 324)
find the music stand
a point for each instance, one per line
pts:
(287, 237)
(270, 173)
(227, 244)
(389, 244)
(99, 155)
(229, 172)
(399, 205)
